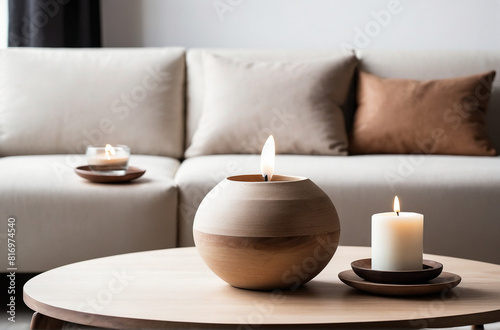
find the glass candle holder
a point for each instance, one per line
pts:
(108, 159)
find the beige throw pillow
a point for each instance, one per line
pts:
(296, 101)
(400, 116)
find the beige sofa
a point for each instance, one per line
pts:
(55, 102)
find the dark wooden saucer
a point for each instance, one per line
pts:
(430, 269)
(441, 284)
(100, 177)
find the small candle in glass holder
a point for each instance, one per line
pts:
(108, 158)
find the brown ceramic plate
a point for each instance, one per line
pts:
(131, 174)
(445, 281)
(430, 269)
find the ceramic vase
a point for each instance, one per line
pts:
(266, 235)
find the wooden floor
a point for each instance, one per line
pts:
(23, 319)
(23, 313)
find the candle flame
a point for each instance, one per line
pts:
(267, 159)
(397, 208)
(109, 150)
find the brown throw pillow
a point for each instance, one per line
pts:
(399, 116)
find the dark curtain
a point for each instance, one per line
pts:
(54, 23)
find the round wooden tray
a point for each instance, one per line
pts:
(131, 174)
(430, 269)
(445, 281)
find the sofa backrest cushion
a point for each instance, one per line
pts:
(296, 101)
(197, 71)
(56, 101)
(439, 64)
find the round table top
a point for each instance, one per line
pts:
(174, 288)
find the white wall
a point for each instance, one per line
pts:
(413, 24)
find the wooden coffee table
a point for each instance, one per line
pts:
(173, 288)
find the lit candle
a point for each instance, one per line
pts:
(267, 159)
(108, 158)
(397, 240)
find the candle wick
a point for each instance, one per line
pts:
(266, 178)
(397, 213)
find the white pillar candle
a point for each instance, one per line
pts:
(397, 240)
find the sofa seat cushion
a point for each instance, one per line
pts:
(63, 218)
(59, 101)
(456, 194)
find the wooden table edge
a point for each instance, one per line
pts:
(113, 322)
(119, 322)
(40, 320)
